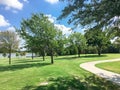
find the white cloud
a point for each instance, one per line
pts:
(52, 1)
(66, 30)
(26, 1)
(3, 22)
(11, 29)
(15, 4)
(51, 18)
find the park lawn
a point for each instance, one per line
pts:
(27, 74)
(110, 66)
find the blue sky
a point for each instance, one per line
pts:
(13, 11)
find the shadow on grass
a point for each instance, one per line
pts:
(27, 61)
(93, 56)
(76, 57)
(75, 83)
(22, 66)
(67, 58)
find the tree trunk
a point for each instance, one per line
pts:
(79, 52)
(52, 61)
(9, 56)
(99, 51)
(43, 57)
(32, 55)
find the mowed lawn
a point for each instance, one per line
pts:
(28, 74)
(110, 66)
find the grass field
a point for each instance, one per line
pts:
(64, 74)
(110, 66)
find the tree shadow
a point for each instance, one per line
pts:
(21, 66)
(93, 56)
(67, 58)
(76, 83)
(114, 78)
(28, 61)
(76, 57)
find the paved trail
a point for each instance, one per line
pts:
(90, 66)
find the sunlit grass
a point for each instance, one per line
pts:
(110, 66)
(27, 72)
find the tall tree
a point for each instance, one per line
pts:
(9, 41)
(39, 33)
(32, 30)
(50, 39)
(97, 38)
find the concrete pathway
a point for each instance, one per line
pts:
(90, 66)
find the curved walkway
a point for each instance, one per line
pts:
(90, 66)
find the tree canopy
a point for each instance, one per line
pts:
(40, 34)
(97, 38)
(91, 13)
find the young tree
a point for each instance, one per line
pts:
(32, 30)
(9, 41)
(50, 41)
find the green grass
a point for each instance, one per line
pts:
(27, 74)
(110, 66)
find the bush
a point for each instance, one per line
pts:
(17, 54)
(22, 53)
(4, 54)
